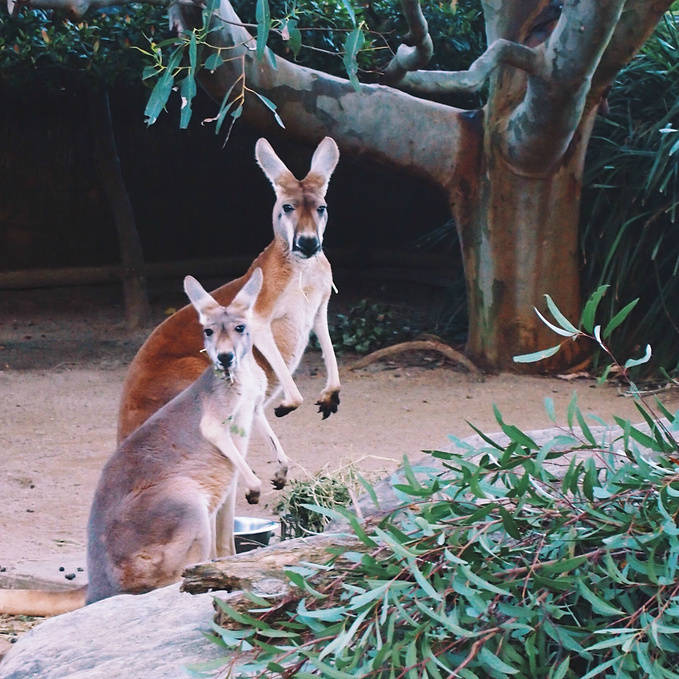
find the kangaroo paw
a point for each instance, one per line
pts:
(328, 404)
(280, 478)
(252, 496)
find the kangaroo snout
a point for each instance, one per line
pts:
(307, 245)
(226, 359)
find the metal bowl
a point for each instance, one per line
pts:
(250, 532)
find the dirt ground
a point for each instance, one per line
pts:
(63, 357)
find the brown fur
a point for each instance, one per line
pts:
(294, 290)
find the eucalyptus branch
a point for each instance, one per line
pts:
(501, 53)
(637, 22)
(417, 47)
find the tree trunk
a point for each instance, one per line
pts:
(137, 310)
(519, 239)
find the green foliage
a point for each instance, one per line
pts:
(47, 45)
(588, 330)
(518, 559)
(512, 558)
(297, 519)
(333, 36)
(367, 326)
(631, 201)
(457, 32)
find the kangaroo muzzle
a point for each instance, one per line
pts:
(307, 246)
(226, 359)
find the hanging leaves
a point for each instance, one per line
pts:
(162, 89)
(352, 46)
(263, 17)
(292, 36)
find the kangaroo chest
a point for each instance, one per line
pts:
(296, 310)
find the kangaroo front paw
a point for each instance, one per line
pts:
(328, 403)
(252, 496)
(280, 479)
(282, 410)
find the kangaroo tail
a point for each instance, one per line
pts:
(41, 602)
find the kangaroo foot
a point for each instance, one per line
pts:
(282, 410)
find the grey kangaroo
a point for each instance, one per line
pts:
(156, 505)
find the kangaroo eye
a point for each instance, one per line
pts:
(240, 329)
(321, 209)
(287, 208)
(208, 331)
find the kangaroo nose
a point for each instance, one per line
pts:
(226, 359)
(308, 245)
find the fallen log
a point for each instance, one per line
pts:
(417, 345)
(246, 570)
(262, 572)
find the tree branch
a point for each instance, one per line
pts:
(433, 139)
(510, 19)
(638, 20)
(542, 126)
(501, 52)
(417, 48)
(313, 104)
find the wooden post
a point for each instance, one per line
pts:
(137, 309)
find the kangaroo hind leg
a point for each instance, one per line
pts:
(264, 428)
(182, 537)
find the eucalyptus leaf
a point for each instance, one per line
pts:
(559, 317)
(589, 311)
(555, 328)
(632, 362)
(537, 355)
(263, 16)
(619, 318)
(352, 46)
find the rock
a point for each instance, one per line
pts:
(152, 635)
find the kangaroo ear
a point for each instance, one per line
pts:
(247, 296)
(201, 300)
(273, 167)
(324, 160)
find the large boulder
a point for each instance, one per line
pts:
(152, 635)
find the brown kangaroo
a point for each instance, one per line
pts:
(294, 300)
(156, 505)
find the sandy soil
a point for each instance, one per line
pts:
(62, 366)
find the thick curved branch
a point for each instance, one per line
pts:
(638, 20)
(417, 48)
(542, 126)
(420, 136)
(501, 53)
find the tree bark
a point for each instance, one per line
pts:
(137, 309)
(519, 238)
